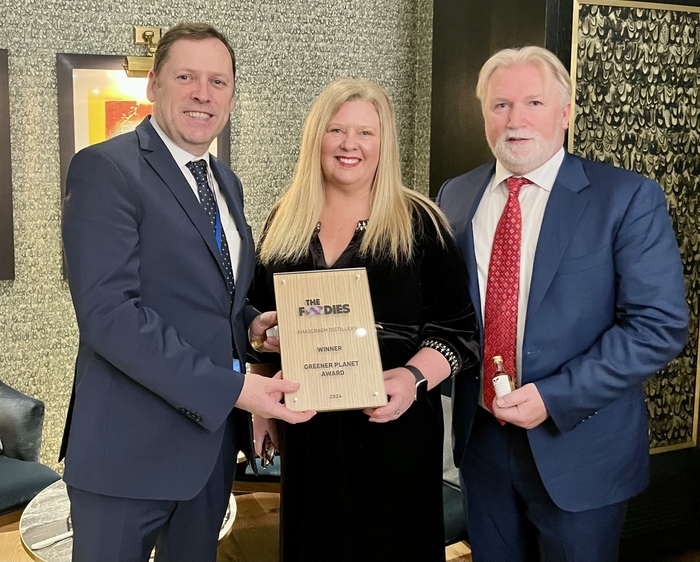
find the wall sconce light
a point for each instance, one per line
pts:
(140, 66)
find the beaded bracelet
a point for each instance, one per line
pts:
(446, 351)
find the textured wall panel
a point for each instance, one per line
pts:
(287, 53)
(637, 108)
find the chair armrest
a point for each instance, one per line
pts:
(21, 424)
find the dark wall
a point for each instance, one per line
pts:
(665, 518)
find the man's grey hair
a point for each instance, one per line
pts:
(537, 56)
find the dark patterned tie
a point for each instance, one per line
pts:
(501, 308)
(206, 198)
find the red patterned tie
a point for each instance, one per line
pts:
(501, 309)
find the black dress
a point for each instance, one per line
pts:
(357, 491)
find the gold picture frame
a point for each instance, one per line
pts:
(634, 71)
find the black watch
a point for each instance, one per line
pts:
(421, 383)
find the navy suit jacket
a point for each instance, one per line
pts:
(606, 310)
(154, 385)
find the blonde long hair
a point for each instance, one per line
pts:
(390, 230)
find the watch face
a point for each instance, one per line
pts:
(421, 389)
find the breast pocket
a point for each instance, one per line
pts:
(585, 262)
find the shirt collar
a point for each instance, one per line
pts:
(544, 176)
(181, 156)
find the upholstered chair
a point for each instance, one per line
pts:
(21, 475)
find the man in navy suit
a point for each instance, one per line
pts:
(600, 307)
(160, 258)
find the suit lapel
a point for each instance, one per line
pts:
(233, 201)
(472, 200)
(159, 158)
(564, 209)
(229, 192)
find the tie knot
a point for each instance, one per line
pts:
(195, 166)
(514, 184)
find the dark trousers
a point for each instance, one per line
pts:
(510, 515)
(112, 529)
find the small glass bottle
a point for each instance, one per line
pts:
(502, 382)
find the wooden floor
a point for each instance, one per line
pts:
(10, 546)
(254, 537)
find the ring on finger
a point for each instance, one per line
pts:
(257, 343)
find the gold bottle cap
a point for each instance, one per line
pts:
(498, 359)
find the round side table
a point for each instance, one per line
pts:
(47, 517)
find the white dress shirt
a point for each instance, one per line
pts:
(182, 157)
(533, 201)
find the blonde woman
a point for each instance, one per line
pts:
(367, 485)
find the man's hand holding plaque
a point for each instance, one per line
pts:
(262, 334)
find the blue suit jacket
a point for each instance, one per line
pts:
(154, 384)
(606, 310)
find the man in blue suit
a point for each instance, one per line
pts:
(599, 306)
(160, 258)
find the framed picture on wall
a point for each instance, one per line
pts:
(637, 106)
(7, 243)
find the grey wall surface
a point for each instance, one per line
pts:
(287, 52)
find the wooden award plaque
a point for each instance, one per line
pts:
(328, 340)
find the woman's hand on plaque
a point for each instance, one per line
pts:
(400, 386)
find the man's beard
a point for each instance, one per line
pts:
(524, 159)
